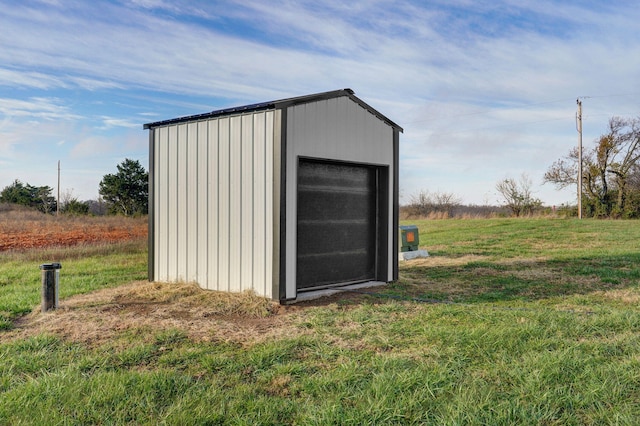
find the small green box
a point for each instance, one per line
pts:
(409, 237)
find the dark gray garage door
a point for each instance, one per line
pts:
(336, 224)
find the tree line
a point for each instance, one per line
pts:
(125, 192)
(610, 182)
(610, 171)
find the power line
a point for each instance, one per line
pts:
(488, 111)
(523, 106)
(579, 129)
(519, 124)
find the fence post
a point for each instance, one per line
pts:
(50, 285)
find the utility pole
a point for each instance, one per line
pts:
(58, 202)
(579, 128)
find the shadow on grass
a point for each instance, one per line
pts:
(516, 279)
(476, 280)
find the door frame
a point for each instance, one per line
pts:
(382, 217)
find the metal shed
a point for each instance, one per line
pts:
(280, 197)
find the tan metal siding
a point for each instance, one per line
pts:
(182, 166)
(258, 244)
(223, 206)
(334, 129)
(202, 197)
(247, 212)
(235, 204)
(213, 183)
(263, 201)
(213, 217)
(192, 203)
(161, 231)
(172, 205)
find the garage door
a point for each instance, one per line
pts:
(336, 230)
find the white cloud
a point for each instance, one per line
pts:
(93, 147)
(35, 80)
(110, 122)
(36, 108)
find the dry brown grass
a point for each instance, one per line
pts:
(444, 260)
(137, 307)
(626, 296)
(23, 220)
(22, 229)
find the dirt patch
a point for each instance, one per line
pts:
(24, 230)
(53, 237)
(628, 296)
(444, 261)
(202, 315)
(61, 236)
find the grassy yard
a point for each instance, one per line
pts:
(84, 269)
(510, 321)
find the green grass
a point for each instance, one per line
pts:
(84, 269)
(527, 238)
(541, 326)
(521, 259)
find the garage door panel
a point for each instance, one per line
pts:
(336, 230)
(336, 175)
(327, 269)
(345, 206)
(344, 236)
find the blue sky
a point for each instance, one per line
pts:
(484, 90)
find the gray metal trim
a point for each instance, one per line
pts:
(151, 210)
(396, 200)
(382, 261)
(334, 161)
(383, 194)
(282, 252)
(275, 240)
(286, 103)
(279, 104)
(335, 285)
(212, 114)
(375, 112)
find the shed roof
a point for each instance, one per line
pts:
(279, 104)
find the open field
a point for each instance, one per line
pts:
(26, 229)
(510, 321)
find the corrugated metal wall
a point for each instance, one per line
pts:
(213, 202)
(335, 129)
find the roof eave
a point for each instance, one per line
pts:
(280, 104)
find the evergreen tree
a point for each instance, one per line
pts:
(27, 195)
(126, 192)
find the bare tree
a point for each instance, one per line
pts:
(609, 169)
(517, 195)
(446, 201)
(424, 203)
(625, 141)
(70, 205)
(564, 172)
(66, 197)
